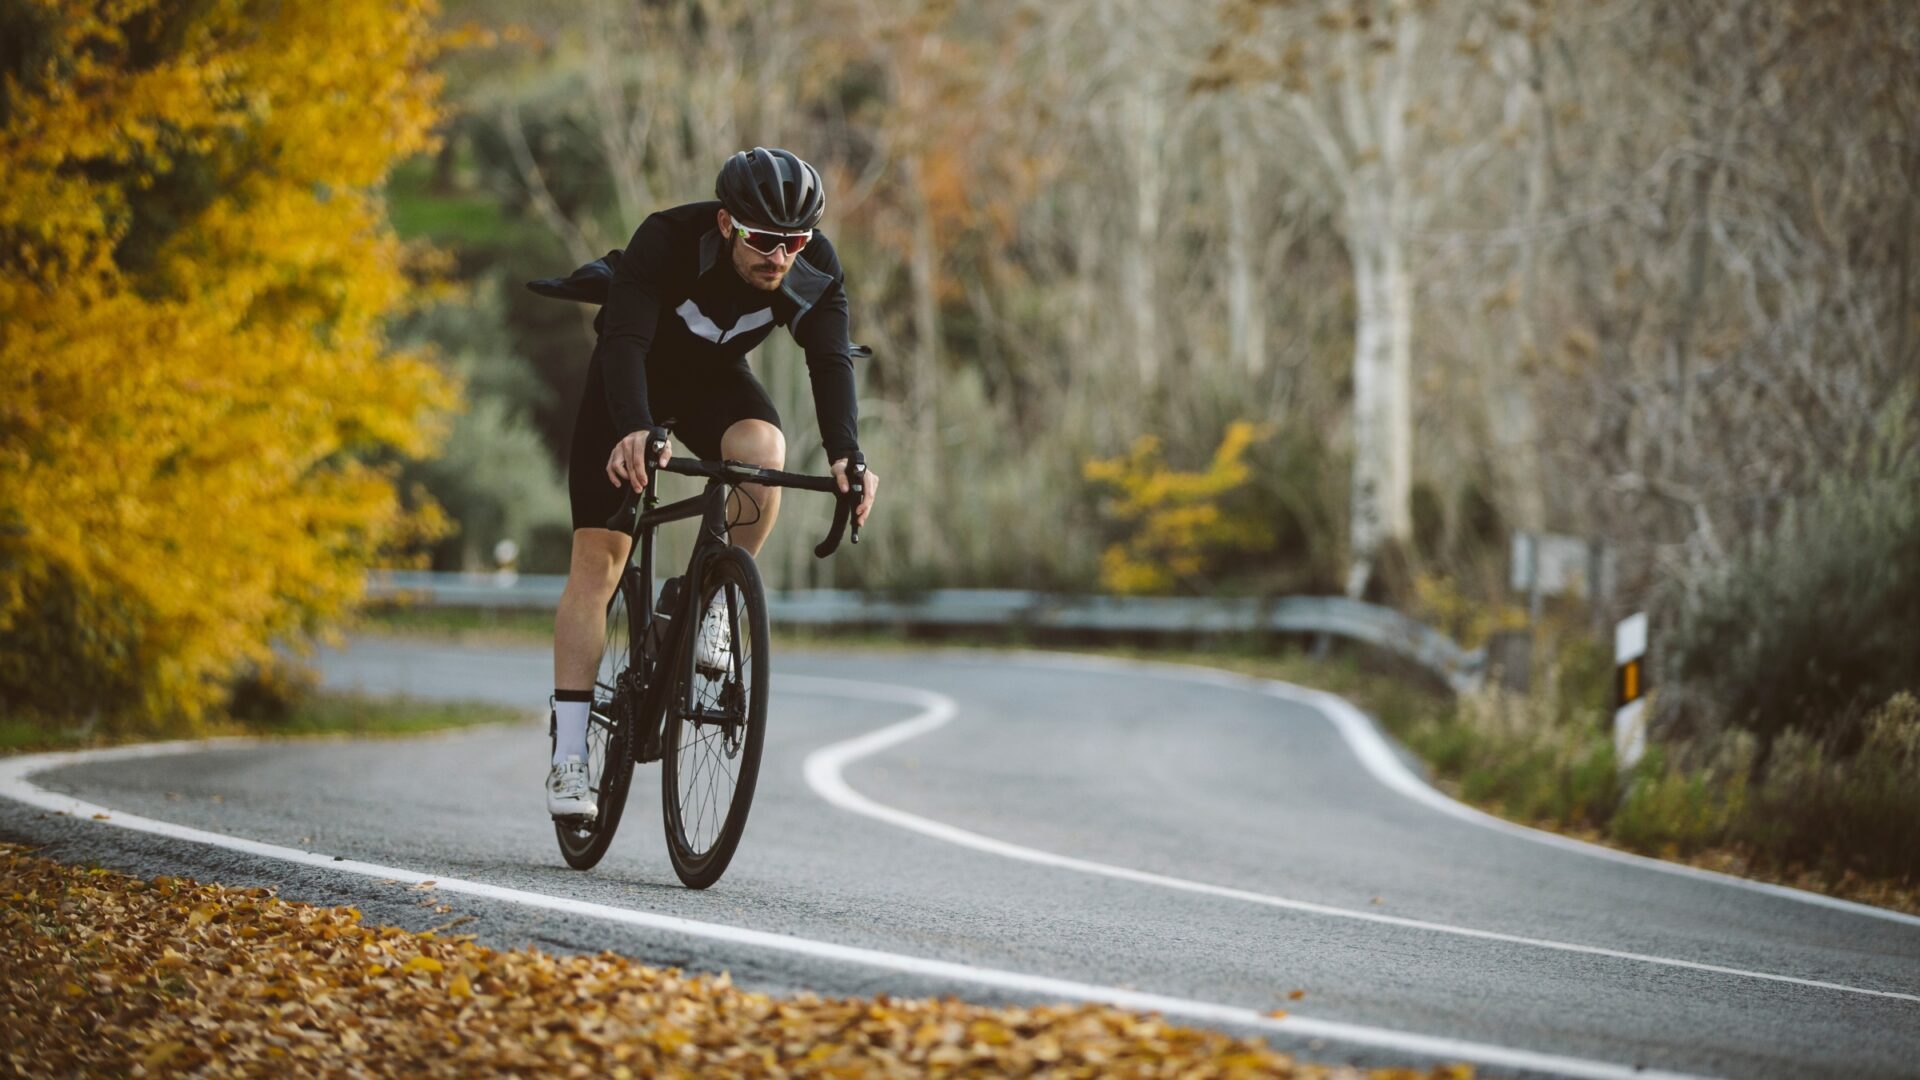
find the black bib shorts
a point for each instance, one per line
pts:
(698, 401)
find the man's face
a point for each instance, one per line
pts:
(760, 271)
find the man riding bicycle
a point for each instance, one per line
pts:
(695, 290)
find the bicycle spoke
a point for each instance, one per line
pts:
(716, 731)
(709, 775)
(608, 756)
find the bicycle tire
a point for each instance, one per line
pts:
(723, 740)
(610, 732)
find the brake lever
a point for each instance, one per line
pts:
(627, 518)
(856, 493)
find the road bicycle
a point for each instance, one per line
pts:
(653, 700)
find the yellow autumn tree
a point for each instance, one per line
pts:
(1177, 523)
(198, 402)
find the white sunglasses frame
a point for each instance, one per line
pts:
(740, 232)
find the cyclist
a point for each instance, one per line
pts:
(695, 290)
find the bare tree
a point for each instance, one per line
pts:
(1335, 84)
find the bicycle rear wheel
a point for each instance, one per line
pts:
(611, 729)
(711, 757)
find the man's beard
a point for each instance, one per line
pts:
(750, 277)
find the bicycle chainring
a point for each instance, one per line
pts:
(629, 692)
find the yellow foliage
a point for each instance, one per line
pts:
(1175, 520)
(1441, 603)
(195, 382)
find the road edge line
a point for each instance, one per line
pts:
(16, 784)
(824, 772)
(1376, 753)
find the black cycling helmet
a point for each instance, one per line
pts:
(771, 188)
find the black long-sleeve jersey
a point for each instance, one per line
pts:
(675, 299)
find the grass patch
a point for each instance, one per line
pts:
(466, 625)
(367, 715)
(19, 736)
(1846, 825)
(319, 713)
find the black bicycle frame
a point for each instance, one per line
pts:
(640, 518)
(710, 506)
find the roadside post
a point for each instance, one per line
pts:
(1630, 690)
(506, 561)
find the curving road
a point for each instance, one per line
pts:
(1017, 827)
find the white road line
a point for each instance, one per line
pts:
(824, 773)
(15, 783)
(1377, 756)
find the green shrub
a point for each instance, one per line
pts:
(1672, 810)
(272, 693)
(1856, 813)
(1815, 622)
(1542, 757)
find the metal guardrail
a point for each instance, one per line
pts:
(1380, 627)
(991, 608)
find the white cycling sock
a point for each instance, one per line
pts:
(570, 730)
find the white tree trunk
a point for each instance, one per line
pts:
(1147, 115)
(1382, 398)
(1246, 332)
(1512, 420)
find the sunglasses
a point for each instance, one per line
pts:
(766, 243)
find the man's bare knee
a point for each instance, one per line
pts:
(754, 507)
(598, 555)
(756, 442)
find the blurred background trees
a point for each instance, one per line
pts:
(1638, 272)
(1383, 281)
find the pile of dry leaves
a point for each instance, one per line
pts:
(107, 973)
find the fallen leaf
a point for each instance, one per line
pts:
(162, 1054)
(265, 986)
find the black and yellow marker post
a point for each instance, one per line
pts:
(1630, 690)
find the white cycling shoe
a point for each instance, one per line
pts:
(713, 650)
(567, 792)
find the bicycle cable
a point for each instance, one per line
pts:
(758, 513)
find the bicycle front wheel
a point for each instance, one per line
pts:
(716, 720)
(611, 729)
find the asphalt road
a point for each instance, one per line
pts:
(1157, 831)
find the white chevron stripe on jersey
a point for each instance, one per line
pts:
(698, 322)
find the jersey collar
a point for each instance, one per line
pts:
(804, 284)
